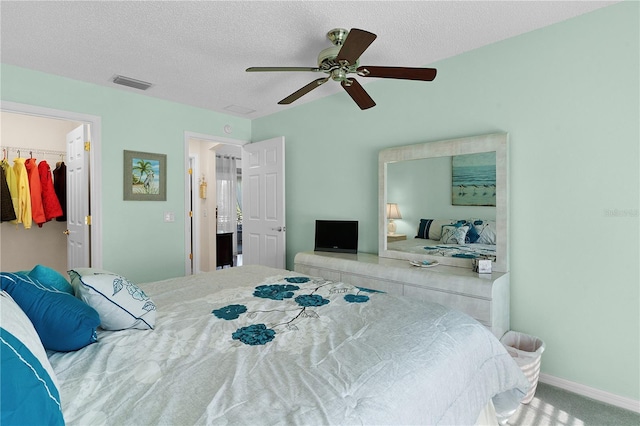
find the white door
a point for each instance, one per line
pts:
(263, 212)
(78, 219)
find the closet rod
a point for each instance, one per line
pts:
(24, 152)
(233, 157)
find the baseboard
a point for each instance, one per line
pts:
(593, 393)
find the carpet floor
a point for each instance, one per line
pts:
(552, 406)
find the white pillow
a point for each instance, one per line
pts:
(120, 303)
(452, 234)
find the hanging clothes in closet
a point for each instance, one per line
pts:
(35, 190)
(28, 189)
(60, 186)
(50, 201)
(7, 211)
(22, 193)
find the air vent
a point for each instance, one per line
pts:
(131, 82)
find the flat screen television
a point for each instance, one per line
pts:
(339, 236)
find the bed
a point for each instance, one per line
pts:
(256, 345)
(461, 240)
(435, 248)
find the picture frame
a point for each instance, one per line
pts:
(473, 179)
(144, 176)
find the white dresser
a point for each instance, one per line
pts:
(485, 298)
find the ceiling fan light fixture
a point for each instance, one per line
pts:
(338, 74)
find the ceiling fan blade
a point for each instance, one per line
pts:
(261, 69)
(303, 91)
(422, 74)
(358, 94)
(356, 43)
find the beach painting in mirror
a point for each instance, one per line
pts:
(473, 178)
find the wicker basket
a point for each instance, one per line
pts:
(526, 351)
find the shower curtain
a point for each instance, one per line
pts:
(226, 181)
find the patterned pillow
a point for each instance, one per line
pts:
(432, 228)
(63, 322)
(29, 393)
(472, 235)
(120, 303)
(452, 234)
(486, 230)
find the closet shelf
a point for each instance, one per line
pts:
(26, 152)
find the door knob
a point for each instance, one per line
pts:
(66, 232)
(279, 228)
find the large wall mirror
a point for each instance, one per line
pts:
(447, 201)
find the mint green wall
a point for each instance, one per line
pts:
(136, 241)
(568, 95)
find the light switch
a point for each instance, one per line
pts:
(169, 217)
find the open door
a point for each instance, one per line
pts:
(78, 216)
(263, 198)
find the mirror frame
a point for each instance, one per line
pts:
(497, 142)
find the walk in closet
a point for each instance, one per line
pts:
(40, 139)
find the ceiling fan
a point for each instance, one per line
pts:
(342, 59)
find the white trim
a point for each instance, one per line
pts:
(95, 124)
(593, 393)
(194, 162)
(210, 138)
(187, 231)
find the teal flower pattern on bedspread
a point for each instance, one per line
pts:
(287, 303)
(368, 290)
(356, 298)
(230, 312)
(311, 300)
(297, 280)
(275, 291)
(255, 334)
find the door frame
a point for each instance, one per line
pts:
(95, 166)
(194, 202)
(188, 135)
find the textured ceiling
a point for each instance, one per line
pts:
(196, 52)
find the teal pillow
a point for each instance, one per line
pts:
(28, 390)
(63, 322)
(51, 278)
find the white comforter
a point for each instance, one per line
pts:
(435, 248)
(356, 357)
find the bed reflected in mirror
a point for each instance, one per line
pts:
(453, 198)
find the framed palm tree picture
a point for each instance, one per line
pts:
(145, 176)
